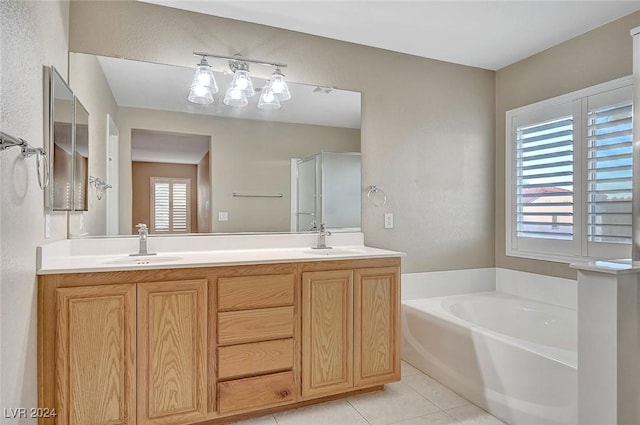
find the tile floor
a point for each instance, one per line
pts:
(416, 400)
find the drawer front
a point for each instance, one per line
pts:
(236, 327)
(255, 358)
(252, 393)
(239, 293)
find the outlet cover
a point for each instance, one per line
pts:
(388, 220)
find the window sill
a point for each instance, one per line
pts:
(556, 258)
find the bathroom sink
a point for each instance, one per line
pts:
(135, 261)
(335, 251)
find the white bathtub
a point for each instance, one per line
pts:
(515, 357)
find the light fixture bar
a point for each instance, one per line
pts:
(241, 59)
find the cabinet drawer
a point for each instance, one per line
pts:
(238, 293)
(255, 358)
(235, 327)
(251, 393)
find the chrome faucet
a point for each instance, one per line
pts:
(143, 233)
(322, 234)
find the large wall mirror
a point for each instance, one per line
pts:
(189, 168)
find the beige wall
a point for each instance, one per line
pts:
(594, 57)
(90, 86)
(427, 126)
(141, 177)
(33, 34)
(246, 156)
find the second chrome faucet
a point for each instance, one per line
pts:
(322, 234)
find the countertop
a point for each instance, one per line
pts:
(67, 256)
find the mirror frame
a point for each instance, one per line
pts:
(80, 180)
(51, 76)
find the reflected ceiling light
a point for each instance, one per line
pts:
(278, 85)
(241, 78)
(235, 97)
(203, 86)
(241, 88)
(268, 99)
(326, 90)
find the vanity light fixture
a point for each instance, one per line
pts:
(204, 86)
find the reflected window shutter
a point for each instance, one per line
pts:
(609, 170)
(180, 209)
(171, 205)
(544, 184)
(161, 206)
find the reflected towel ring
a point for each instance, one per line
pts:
(373, 190)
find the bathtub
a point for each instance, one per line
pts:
(515, 357)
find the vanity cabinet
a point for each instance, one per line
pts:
(350, 327)
(95, 355)
(256, 344)
(172, 349)
(205, 345)
(327, 326)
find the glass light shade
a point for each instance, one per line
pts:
(268, 99)
(201, 95)
(242, 81)
(278, 85)
(203, 85)
(235, 97)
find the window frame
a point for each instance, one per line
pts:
(556, 250)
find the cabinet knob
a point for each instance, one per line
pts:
(285, 393)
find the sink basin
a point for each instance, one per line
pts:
(335, 251)
(135, 261)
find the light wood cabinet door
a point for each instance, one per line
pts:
(327, 332)
(95, 361)
(172, 372)
(376, 326)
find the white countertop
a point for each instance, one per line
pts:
(112, 254)
(608, 266)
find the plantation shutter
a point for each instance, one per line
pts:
(180, 207)
(609, 170)
(544, 179)
(161, 206)
(170, 205)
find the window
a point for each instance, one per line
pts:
(568, 175)
(170, 205)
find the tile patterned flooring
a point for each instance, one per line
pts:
(416, 400)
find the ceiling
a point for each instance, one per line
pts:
(154, 146)
(479, 33)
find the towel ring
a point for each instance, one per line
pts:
(375, 189)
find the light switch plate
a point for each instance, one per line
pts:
(223, 216)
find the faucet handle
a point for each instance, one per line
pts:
(324, 230)
(142, 227)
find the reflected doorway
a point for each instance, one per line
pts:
(171, 184)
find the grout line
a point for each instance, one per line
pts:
(357, 411)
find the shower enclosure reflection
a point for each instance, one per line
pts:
(328, 191)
